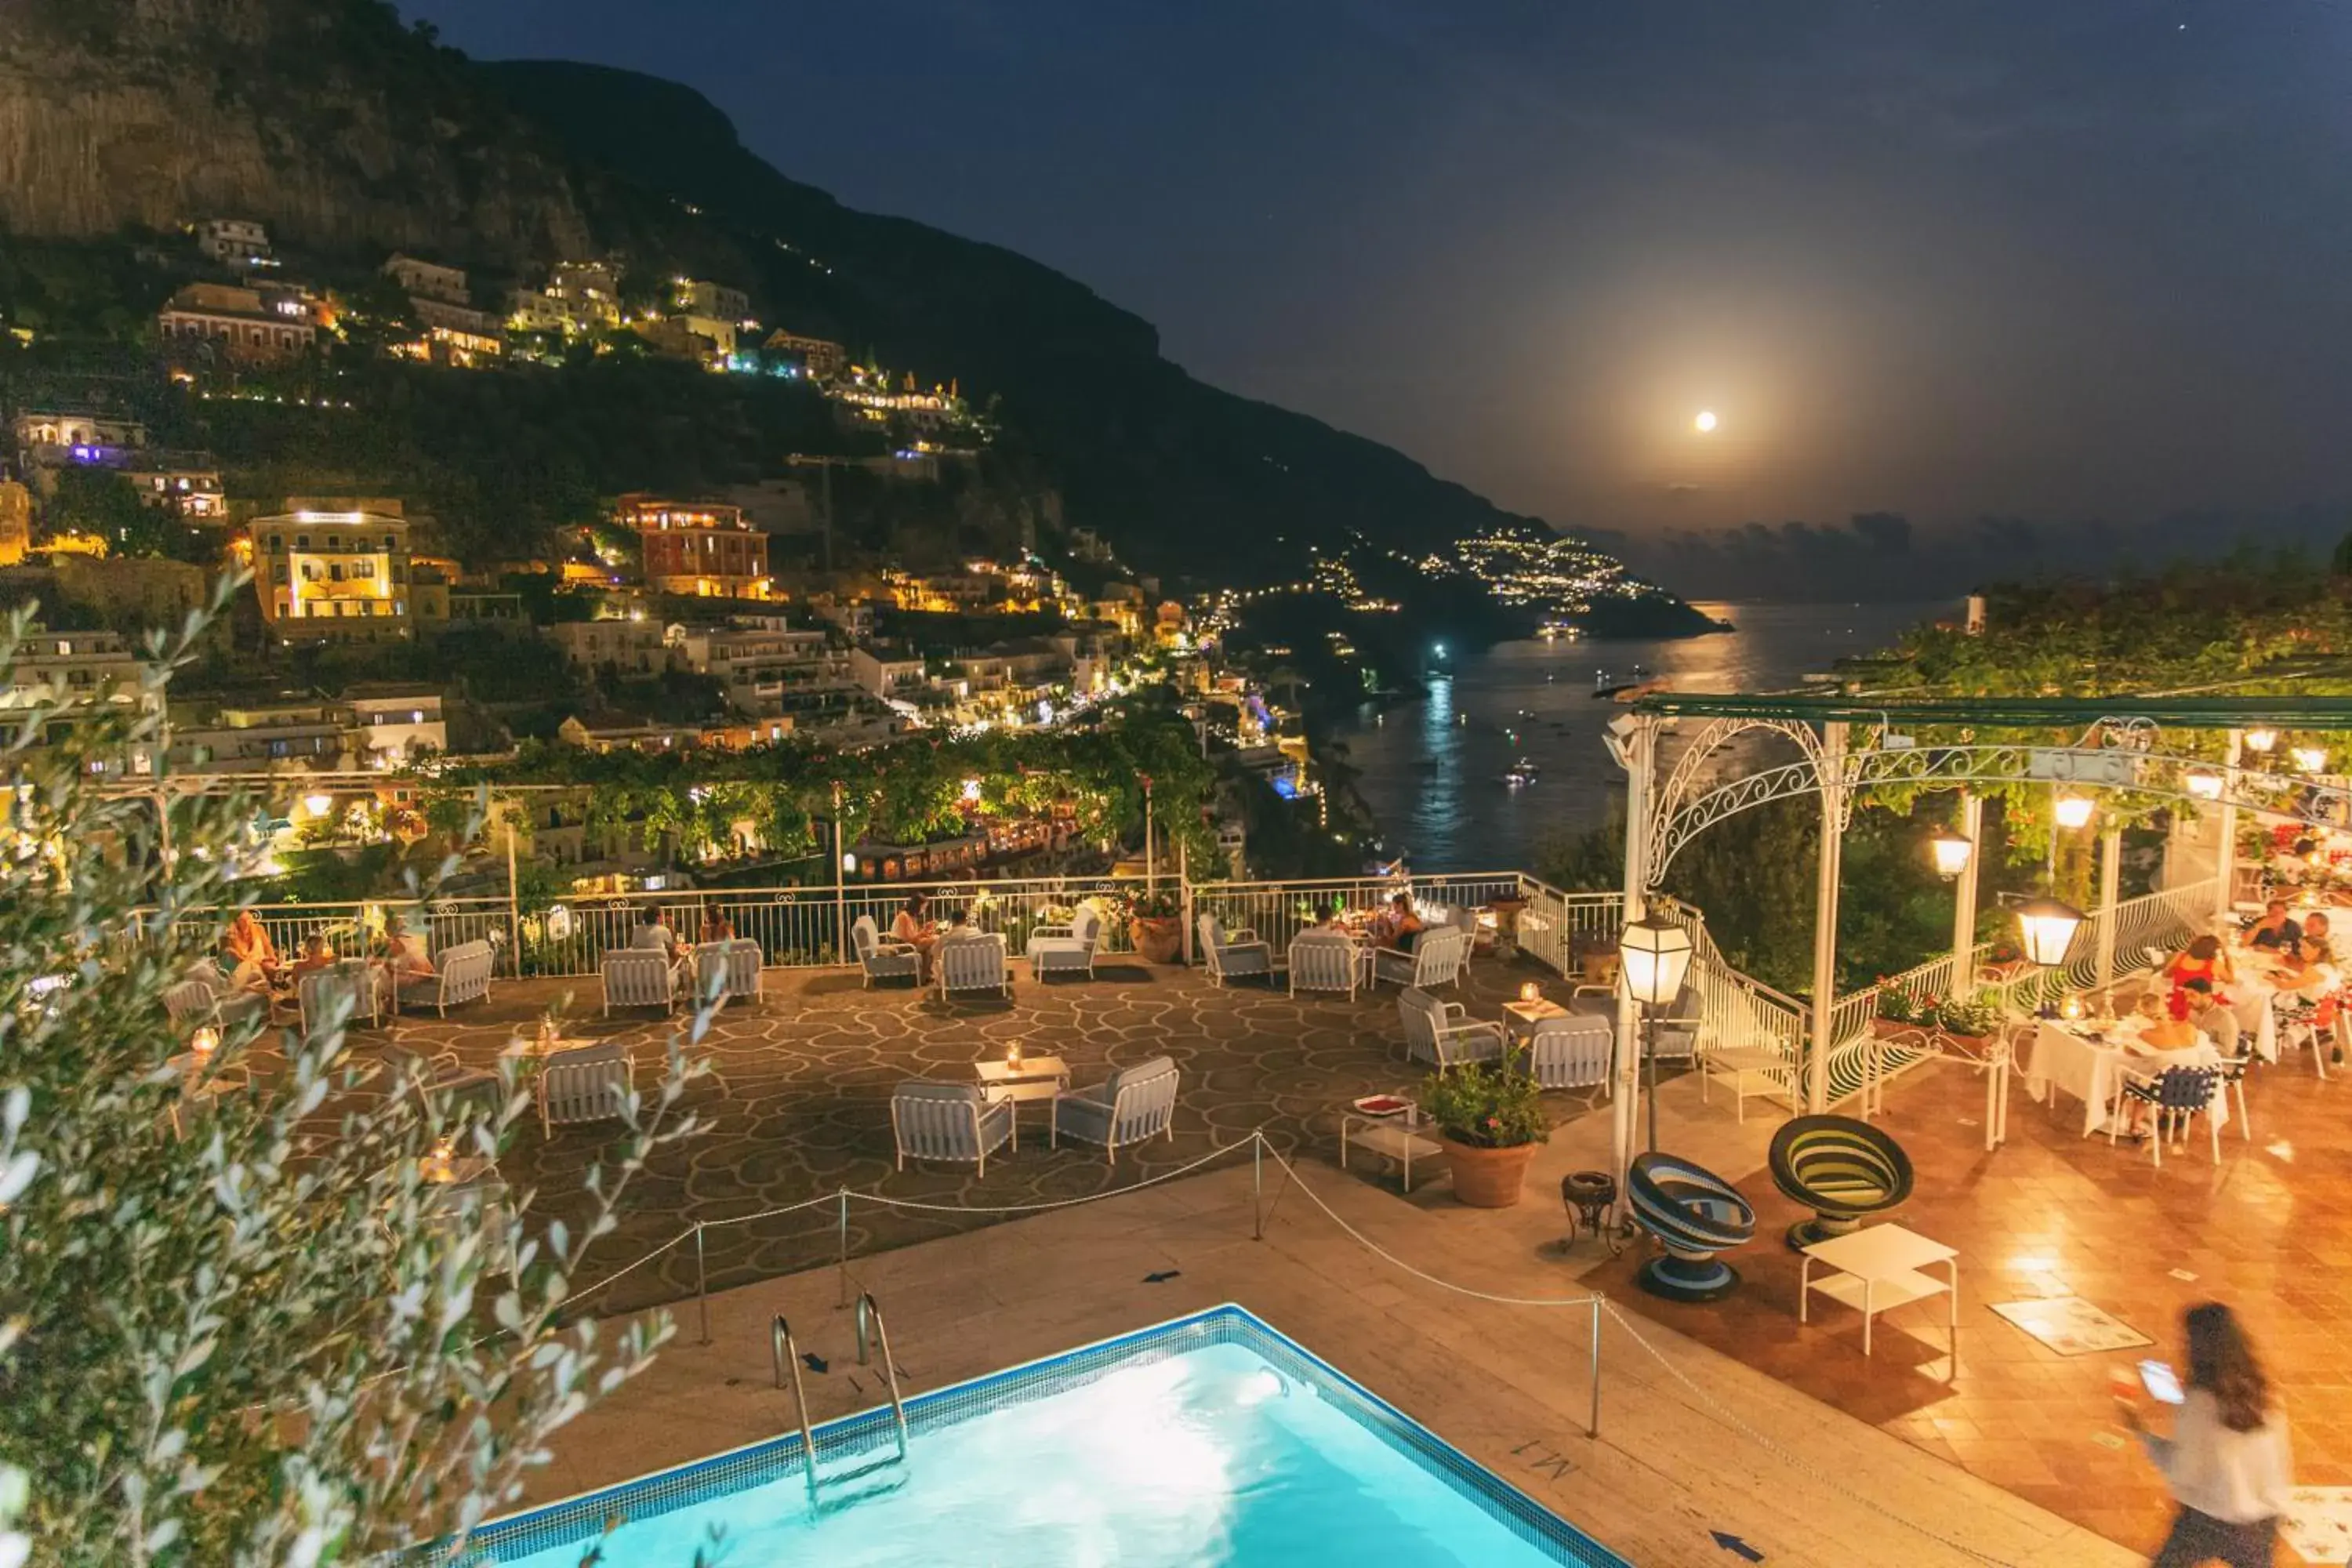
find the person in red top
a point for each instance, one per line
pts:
(2201, 966)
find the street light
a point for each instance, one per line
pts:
(2073, 810)
(2205, 784)
(1652, 956)
(2261, 740)
(2311, 759)
(1952, 852)
(2047, 928)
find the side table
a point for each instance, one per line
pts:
(1878, 1269)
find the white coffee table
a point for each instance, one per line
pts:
(1878, 1269)
(1400, 1137)
(1743, 1065)
(1035, 1077)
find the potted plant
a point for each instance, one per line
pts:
(1900, 1013)
(1155, 925)
(1490, 1119)
(1967, 1023)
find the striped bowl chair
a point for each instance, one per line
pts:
(1695, 1214)
(1842, 1169)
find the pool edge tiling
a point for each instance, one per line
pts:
(583, 1518)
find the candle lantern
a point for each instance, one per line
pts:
(205, 1042)
(1530, 991)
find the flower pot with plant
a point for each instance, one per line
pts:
(1489, 1119)
(1899, 1013)
(1156, 927)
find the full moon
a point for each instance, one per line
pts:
(1705, 423)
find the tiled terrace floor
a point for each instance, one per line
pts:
(800, 1107)
(2268, 1230)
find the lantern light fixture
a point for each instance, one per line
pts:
(2074, 811)
(1952, 852)
(2046, 927)
(2205, 784)
(1652, 956)
(2311, 759)
(2261, 740)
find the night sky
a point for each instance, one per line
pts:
(2089, 258)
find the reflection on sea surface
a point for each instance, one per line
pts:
(1433, 771)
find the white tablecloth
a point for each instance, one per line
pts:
(2093, 1072)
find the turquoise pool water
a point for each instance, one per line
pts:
(1209, 1441)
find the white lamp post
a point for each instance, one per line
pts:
(2074, 811)
(2047, 928)
(1651, 958)
(1952, 852)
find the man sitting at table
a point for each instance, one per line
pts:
(1327, 926)
(652, 933)
(2276, 931)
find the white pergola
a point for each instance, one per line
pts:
(1852, 744)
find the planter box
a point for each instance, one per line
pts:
(1159, 937)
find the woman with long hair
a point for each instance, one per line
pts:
(2227, 1460)
(914, 926)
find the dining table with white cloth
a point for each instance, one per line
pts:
(2066, 1056)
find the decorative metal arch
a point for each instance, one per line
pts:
(2136, 766)
(1683, 784)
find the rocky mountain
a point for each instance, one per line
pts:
(340, 128)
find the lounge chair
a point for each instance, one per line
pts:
(1443, 1034)
(638, 977)
(1695, 1214)
(732, 968)
(1230, 955)
(1573, 1052)
(1842, 1169)
(1438, 956)
(1324, 962)
(1131, 1105)
(882, 958)
(463, 976)
(1068, 950)
(587, 1083)
(441, 1075)
(931, 1119)
(974, 962)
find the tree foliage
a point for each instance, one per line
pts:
(244, 1326)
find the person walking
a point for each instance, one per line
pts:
(2227, 1461)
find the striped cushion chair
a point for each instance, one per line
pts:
(1842, 1169)
(1695, 1214)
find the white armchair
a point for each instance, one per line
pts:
(934, 1121)
(315, 993)
(882, 958)
(463, 976)
(1232, 954)
(1443, 1034)
(1131, 1105)
(1325, 961)
(1070, 949)
(974, 962)
(587, 1083)
(1438, 956)
(732, 968)
(1573, 1052)
(638, 977)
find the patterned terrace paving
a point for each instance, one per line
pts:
(800, 1106)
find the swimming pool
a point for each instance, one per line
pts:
(1209, 1440)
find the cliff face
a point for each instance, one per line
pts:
(325, 118)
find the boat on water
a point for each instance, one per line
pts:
(1520, 773)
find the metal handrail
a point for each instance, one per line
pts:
(870, 1313)
(787, 1354)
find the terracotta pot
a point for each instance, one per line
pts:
(1159, 938)
(1973, 1045)
(1487, 1178)
(1889, 1028)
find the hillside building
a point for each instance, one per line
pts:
(76, 672)
(822, 358)
(247, 326)
(332, 575)
(700, 549)
(48, 438)
(15, 522)
(239, 244)
(184, 484)
(427, 280)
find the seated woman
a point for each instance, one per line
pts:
(913, 925)
(316, 955)
(408, 958)
(2308, 968)
(1403, 923)
(247, 943)
(2163, 1022)
(716, 926)
(2201, 966)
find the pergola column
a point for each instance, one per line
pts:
(2110, 861)
(1825, 914)
(2225, 860)
(1964, 895)
(1641, 744)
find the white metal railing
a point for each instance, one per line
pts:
(1549, 926)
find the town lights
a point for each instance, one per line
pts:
(1952, 852)
(2047, 928)
(2072, 810)
(2205, 784)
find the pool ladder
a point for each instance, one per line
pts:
(785, 1352)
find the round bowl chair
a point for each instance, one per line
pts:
(1695, 1214)
(1842, 1169)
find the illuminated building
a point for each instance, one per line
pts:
(244, 325)
(706, 550)
(822, 358)
(332, 575)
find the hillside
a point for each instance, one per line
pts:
(349, 133)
